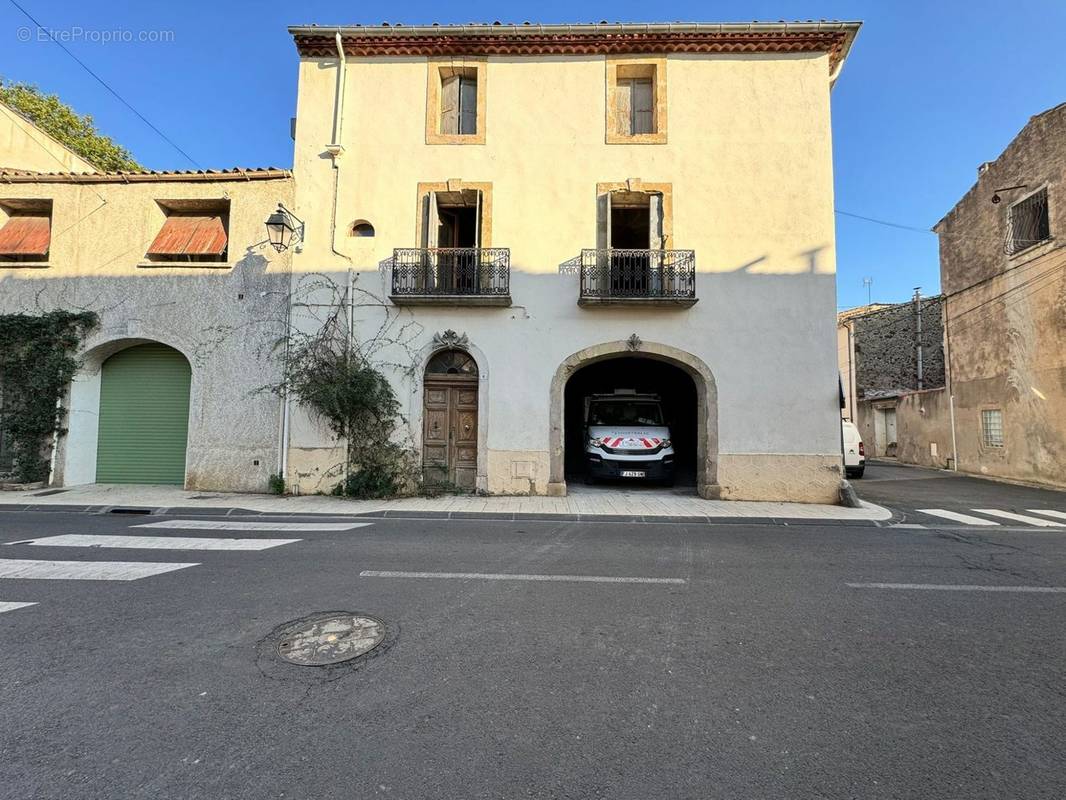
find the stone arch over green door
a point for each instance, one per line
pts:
(144, 416)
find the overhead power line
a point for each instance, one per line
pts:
(104, 83)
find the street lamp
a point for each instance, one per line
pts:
(282, 226)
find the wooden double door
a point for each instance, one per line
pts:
(449, 431)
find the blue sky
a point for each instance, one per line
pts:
(930, 91)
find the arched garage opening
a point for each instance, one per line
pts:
(688, 395)
(144, 416)
(644, 377)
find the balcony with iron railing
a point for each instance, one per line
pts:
(612, 276)
(471, 276)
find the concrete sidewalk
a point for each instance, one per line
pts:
(618, 504)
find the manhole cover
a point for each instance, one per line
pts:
(329, 639)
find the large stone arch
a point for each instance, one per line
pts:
(75, 458)
(706, 394)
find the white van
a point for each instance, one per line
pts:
(626, 436)
(854, 452)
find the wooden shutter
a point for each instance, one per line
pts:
(430, 237)
(467, 105)
(643, 106)
(655, 221)
(449, 104)
(624, 105)
(26, 236)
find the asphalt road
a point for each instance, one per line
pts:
(758, 672)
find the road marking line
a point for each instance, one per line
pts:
(12, 606)
(155, 542)
(230, 525)
(1040, 523)
(956, 517)
(953, 587)
(507, 576)
(84, 570)
(1047, 512)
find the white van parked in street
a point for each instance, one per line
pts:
(854, 452)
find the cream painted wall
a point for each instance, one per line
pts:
(224, 317)
(24, 146)
(749, 160)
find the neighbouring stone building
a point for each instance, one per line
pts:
(560, 210)
(886, 353)
(1003, 274)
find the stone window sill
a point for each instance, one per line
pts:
(185, 265)
(25, 264)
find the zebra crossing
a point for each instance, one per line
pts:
(993, 517)
(91, 570)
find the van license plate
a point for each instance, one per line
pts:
(632, 473)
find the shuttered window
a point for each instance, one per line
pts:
(191, 237)
(26, 237)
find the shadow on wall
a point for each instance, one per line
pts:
(225, 320)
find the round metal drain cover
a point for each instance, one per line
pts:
(330, 639)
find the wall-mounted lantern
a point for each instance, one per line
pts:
(284, 228)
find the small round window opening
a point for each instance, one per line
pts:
(362, 228)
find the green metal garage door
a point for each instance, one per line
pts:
(144, 416)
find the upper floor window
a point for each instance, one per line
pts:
(25, 230)
(193, 231)
(636, 100)
(1028, 222)
(455, 105)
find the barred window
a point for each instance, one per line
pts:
(1028, 223)
(992, 427)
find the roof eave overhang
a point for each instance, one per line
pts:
(834, 38)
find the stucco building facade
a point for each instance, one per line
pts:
(577, 209)
(174, 382)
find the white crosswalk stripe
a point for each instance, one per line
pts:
(155, 542)
(955, 516)
(1040, 523)
(28, 569)
(234, 525)
(8, 606)
(1047, 512)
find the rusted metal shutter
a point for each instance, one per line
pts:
(190, 235)
(26, 236)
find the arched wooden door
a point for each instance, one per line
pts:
(449, 420)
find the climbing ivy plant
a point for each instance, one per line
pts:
(36, 364)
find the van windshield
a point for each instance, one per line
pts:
(625, 412)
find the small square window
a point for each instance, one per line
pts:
(455, 101)
(1028, 223)
(193, 231)
(992, 427)
(25, 230)
(636, 100)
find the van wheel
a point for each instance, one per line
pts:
(856, 473)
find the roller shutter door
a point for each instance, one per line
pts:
(144, 416)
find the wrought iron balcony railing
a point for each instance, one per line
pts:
(420, 273)
(613, 275)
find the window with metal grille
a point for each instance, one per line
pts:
(1027, 223)
(992, 427)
